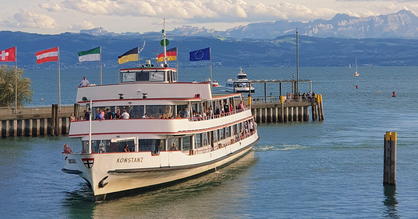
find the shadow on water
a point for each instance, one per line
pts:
(178, 199)
(390, 201)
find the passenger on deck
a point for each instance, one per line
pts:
(72, 117)
(108, 114)
(173, 147)
(99, 115)
(86, 115)
(84, 82)
(178, 116)
(240, 105)
(118, 115)
(217, 112)
(145, 116)
(251, 126)
(126, 148)
(151, 117)
(102, 114)
(125, 114)
(67, 150)
(226, 108)
(186, 113)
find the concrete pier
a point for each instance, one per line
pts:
(38, 121)
(288, 110)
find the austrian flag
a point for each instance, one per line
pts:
(8, 55)
(49, 55)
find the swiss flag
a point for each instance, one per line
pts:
(8, 55)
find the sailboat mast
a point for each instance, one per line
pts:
(356, 64)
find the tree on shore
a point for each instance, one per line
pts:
(7, 87)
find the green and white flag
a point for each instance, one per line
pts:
(89, 55)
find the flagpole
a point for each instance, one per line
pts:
(177, 64)
(100, 65)
(59, 81)
(210, 58)
(16, 80)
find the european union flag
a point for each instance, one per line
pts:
(201, 54)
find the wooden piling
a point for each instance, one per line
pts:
(7, 128)
(29, 127)
(389, 164)
(37, 132)
(265, 115)
(15, 127)
(44, 125)
(277, 114)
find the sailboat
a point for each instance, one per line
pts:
(356, 74)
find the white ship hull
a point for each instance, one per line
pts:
(240, 89)
(113, 173)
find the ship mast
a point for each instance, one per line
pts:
(165, 45)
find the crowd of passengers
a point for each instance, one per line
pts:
(297, 96)
(223, 110)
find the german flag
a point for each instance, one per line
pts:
(130, 56)
(171, 55)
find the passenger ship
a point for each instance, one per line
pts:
(240, 84)
(175, 130)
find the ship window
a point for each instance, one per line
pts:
(235, 129)
(221, 134)
(136, 112)
(160, 111)
(127, 77)
(205, 138)
(176, 141)
(242, 77)
(186, 143)
(181, 110)
(142, 76)
(228, 131)
(157, 76)
(197, 140)
(174, 75)
(153, 145)
(215, 136)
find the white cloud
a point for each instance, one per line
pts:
(82, 25)
(51, 7)
(197, 10)
(31, 19)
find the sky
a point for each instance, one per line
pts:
(58, 16)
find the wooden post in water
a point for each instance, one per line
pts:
(389, 164)
(54, 120)
(38, 127)
(282, 107)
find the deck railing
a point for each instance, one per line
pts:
(199, 117)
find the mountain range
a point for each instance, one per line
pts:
(386, 40)
(403, 24)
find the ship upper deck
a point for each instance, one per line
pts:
(145, 82)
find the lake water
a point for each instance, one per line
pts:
(329, 169)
